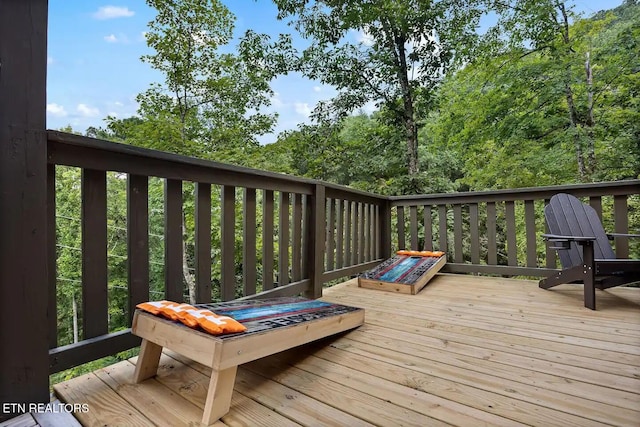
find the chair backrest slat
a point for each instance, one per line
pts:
(567, 216)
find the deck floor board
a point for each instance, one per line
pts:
(464, 351)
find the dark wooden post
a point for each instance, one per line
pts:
(316, 219)
(385, 229)
(24, 344)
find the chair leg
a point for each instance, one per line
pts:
(589, 276)
(589, 293)
(569, 275)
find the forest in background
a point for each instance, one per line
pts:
(544, 97)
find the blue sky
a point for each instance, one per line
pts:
(94, 66)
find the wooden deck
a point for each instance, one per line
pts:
(465, 351)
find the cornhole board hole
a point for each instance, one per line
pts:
(405, 274)
(273, 325)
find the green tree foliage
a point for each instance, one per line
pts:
(365, 152)
(405, 45)
(213, 95)
(559, 111)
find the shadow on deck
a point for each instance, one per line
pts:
(465, 351)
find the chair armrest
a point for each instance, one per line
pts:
(564, 242)
(611, 236)
(558, 238)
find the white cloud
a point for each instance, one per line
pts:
(111, 38)
(118, 104)
(317, 89)
(87, 111)
(111, 12)
(302, 108)
(50, 60)
(56, 110)
(363, 36)
(276, 101)
(370, 107)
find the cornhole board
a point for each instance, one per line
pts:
(404, 274)
(273, 325)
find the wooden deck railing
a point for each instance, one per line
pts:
(310, 232)
(322, 232)
(499, 232)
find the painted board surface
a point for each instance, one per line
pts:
(406, 274)
(402, 269)
(273, 313)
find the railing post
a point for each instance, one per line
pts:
(315, 249)
(385, 229)
(228, 241)
(24, 322)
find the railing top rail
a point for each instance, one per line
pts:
(529, 193)
(81, 151)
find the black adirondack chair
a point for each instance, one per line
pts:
(584, 250)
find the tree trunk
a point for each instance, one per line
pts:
(188, 277)
(573, 119)
(591, 155)
(571, 106)
(411, 130)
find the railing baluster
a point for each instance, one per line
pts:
(385, 230)
(203, 242)
(621, 218)
(457, 233)
(442, 222)
(596, 203)
(550, 254)
(492, 244)
(267, 240)
(52, 264)
(283, 240)
(474, 233)
(354, 234)
(373, 224)
(305, 236)
(413, 221)
(249, 273)
(401, 233)
(366, 221)
(340, 234)
(228, 241)
(331, 226)
(296, 243)
(361, 235)
(137, 240)
(530, 230)
(348, 234)
(94, 253)
(510, 219)
(173, 279)
(428, 228)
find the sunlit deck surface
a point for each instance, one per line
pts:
(465, 351)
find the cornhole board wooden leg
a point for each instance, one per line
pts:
(219, 395)
(148, 361)
(218, 401)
